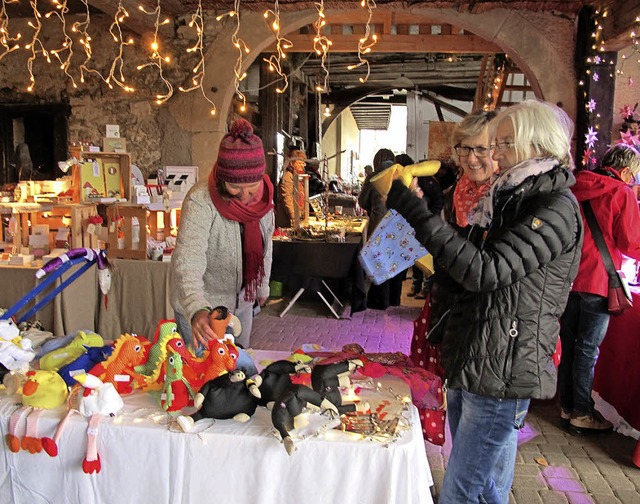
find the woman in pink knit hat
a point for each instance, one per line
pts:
(224, 249)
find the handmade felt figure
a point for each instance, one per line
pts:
(15, 352)
(42, 390)
(89, 255)
(227, 396)
(176, 391)
(223, 322)
(84, 363)
(289, 399)
(55, 359)
(166, 331)
(327, 380)
(97, 401)
(128, 351)
(289, 405)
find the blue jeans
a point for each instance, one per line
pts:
(582, 328)
(484, 435)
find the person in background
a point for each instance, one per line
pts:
(316, 185)
(585, 320)
(368, 170)
(369, 198)
(295, 163)
(514, 279)
(379, 297)
(224, 249)
(427, 188)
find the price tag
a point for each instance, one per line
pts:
(96, 169)
(91, 229)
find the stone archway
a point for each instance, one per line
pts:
(540, 43)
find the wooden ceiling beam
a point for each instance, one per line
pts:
(399, 43)
(137, 22)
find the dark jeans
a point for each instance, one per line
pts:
(582, 328)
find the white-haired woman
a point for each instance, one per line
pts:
(515, 277)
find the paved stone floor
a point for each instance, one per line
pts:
(553, 466)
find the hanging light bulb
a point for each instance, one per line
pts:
(327, 111)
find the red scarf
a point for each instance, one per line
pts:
(249, 217)
(466, 196)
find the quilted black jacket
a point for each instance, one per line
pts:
(502, 330)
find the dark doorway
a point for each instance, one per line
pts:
(33, 138)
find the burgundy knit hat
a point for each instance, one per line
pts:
(241, 155)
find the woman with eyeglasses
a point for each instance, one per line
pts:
(515, 277)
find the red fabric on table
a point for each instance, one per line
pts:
(617, 372)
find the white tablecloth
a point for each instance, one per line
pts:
(145, 459)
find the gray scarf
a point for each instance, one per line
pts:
(514, 176)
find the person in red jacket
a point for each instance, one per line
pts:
(586, 317)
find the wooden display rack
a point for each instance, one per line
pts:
(78, 214)
(121, 229)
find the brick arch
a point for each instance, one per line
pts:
(541, 44)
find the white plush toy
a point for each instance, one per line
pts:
(15, 353)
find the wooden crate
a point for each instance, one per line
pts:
(121, 161)
(122, 231)
(159, 223)
(73, 216)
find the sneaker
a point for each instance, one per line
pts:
(565, 415)
(422, 294)
(590, 423)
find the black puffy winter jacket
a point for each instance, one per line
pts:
(502, 330)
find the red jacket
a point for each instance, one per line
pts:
(616, 209)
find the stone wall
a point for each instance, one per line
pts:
(154, 138)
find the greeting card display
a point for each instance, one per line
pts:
(391, 249)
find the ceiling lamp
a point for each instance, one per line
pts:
(403, 82)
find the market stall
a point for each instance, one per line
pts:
(307, 258)
(146, 458)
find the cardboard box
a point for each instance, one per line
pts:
(118, 145)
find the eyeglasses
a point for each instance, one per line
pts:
(481, 151)
(504, 146)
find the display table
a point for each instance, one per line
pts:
(305, 264)
(76, 307)
(145, 459)
(138, 299)
(617, 371)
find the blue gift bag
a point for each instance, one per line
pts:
(391, 249)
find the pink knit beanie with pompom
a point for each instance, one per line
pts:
(241, 155)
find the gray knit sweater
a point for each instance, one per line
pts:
(207, 261)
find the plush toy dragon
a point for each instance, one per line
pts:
(166, 331)
(119, 369)
(176, 391)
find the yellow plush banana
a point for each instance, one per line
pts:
(383, 180)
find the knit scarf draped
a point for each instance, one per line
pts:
(249, 218)
(466, 196)
(514, 176)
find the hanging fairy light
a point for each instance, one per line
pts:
(242, 48)
(67, 46)
(35, 46)
(321, 45)
(7, 42)
(275, 60)
(156, 57)
(116, 75)
(197, 81)
(634, 36)
(366, 42)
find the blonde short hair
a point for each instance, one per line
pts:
(541, 127)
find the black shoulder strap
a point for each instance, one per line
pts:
(596, 232)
